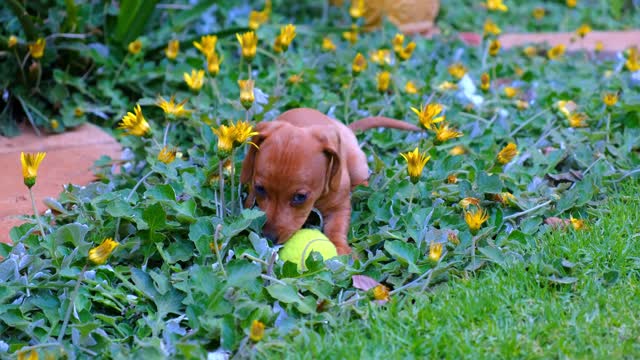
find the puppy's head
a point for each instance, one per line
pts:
(292, 168)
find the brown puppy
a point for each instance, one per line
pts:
(305, 160)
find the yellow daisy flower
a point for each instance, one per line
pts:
(226, 137)
(556, 52)
(359, 64)
(496, 5)
(256, 333)
(415, 163)
(12, 41)
(213, 64)
(172, 49)
(381, 293)
(135, 124)
(195, 81)
(167, 155)
(507, 153)
(384, 78)
(494, 47)
(135, 47)
(609, 99)
(475, 219)
(410, 88)
(435, 251)
(37, 49)
(207, 44)
(30, 164)
(485, 82)
(282, 42)
(357, 9)
(491, 28)
(328, 45)
(428, 115)
(457, 70)
(444, 133)
(99, 254)
(249, 45)
(171, 108)
(246, 93)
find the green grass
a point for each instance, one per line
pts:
(514, 312)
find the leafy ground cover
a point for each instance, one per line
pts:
(159, 259)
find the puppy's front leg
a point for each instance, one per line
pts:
(336, 226)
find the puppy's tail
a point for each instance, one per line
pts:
(381, 121)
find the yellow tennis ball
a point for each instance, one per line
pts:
(298, 248)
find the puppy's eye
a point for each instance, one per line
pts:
(260, 190)
(298, 199)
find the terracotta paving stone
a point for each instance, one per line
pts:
(69, 159)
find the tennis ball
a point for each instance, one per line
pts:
(303, 242)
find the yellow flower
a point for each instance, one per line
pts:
(357, 9)
(447, 85)
(494, 47)
(257, 331)
(54, 124)
(398, 42)
(485, 82)
(457, 70)
(444, 133)
(226, 137)
(506, 198)
(381, 293)
(510, 92)
(135, 47)
(257, 18)
(572, 3)
(435, 251)
(457, 150)
(135, 124)
(171, 108)
(78, 112)
(578, 120)
(428, 115)
(406, 52)
(410, 88)
(328, 45)
(496, 5)
(530, 51)
(415, 163)
(242, 132)
(566, 107)
(475, 219)
(577, 224)
(249, 44)
(352, 35)
(207, 44)
(213, 64)
(30, 164)
(556, 52)
(384, 78)
(452, 179)
(464, 203)
(381, 57)
(195, 80)
(522, 105)
(99, 254)
(633, 60)
(609, 98)
(37, 49)
(599, 46)
(13, 40)
(282, 42)
(167, 155)
(33, 355)
(246, 93)
(359, 64)
(295, 79)
(491, 28)
(172, 49)
(507, 153)
(538, 13)
(583, 30)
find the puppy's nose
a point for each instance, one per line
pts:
(271, 235)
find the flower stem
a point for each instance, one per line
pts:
(35, 213)
(233, 181)
(216, 237)
(347, 101)
(20, 65)
(72, 299)
(121, 66)
(221, 179)
(608, 125)
(129, 198)
(166, 132)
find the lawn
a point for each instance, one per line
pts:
(515, 238)
(513, 311)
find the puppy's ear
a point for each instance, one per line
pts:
(264, 129)
(330, 144)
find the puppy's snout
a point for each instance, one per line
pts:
(270, 234)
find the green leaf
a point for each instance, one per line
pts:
(489, 183)
(404, 252)
(162, 192)
(72, 234)
(132, 19)
(494, 255)
(243, 274)
(155, 217)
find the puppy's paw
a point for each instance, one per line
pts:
(343, 250)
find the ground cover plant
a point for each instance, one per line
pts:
(159, 258)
